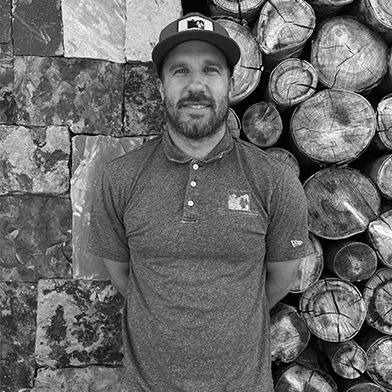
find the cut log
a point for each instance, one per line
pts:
(332, 127)
(351, 260)
(286, 157)
(377, 295)
(383, 137)
(282, 29)
(308, 373)
(291, 82)
(348, 359)
(379, 236)
(341, 202)
(377, 14)
(328, 7)
(333, 310)
(311, 266)
(348, 55)
(378, 348)
(380, 171)
(361, 384)
(247, 72)
(239, 9)
(262, 124)
(233, 123)
(289, 335)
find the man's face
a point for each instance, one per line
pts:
(195, 86)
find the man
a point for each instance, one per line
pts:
(201, 233)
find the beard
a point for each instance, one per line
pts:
(196, 126)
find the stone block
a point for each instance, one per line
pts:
(144, 111)
(34, 160)
(85, 94)
(37, 27)
(90, 154)
(17, 335)
(35, 237)
(94, 29)
(145, 20)
(78, 324)
(6, 84)
(89, 379)
(5, 21)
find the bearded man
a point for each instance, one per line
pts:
(201, 232)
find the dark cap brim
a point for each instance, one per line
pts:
(225, 44)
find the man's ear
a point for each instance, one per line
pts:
(160, 87)
(231, 87)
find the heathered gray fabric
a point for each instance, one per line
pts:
(196, 317)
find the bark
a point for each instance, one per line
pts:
(333, 310)
(361, 384)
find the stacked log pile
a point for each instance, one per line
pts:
(315, 90)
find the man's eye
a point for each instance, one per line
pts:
(180, 71)
(211, 70)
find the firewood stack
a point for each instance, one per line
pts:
(314, 89)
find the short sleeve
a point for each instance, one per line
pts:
(107, 236)
(287, 232)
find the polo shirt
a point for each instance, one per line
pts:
(197, 235)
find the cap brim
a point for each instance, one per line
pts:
(225, 44)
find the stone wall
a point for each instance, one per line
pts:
(77, 89)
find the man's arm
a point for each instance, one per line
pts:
(280, 278)
(118, 273)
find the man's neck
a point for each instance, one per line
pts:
(197, 149)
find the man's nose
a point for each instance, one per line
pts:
(196, 82)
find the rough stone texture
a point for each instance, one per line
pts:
(35, 233)
(7, 84)
(5, 21)
(18, 312)
(78, 323)
(37, 28)
(91, 379)
(94, 29)
(144, 111)
(90, 154)
(86, 95)
(34, 160)
(145, 20)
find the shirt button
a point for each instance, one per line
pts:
(193, 184)
(195, 166)
(191, 203)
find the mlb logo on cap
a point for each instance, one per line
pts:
(195, 23)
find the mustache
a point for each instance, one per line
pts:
(196, 98)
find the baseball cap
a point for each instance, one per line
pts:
(195, 26)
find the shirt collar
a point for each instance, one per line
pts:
(173, 153)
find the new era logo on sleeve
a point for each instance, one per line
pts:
(193, 22)
(296, 243)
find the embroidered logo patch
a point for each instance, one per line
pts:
(296, 243)
(239, 201)
(195, 23)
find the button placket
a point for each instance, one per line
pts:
(190, 202)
